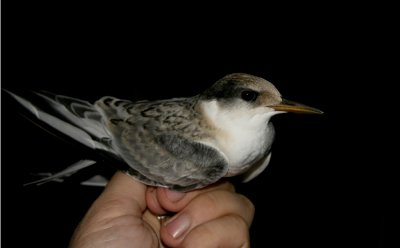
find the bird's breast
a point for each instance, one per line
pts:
(243, 136)
(244, 147)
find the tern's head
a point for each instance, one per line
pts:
(243, 91)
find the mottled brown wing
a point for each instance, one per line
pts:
(152, 137)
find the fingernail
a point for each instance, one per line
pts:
(176, 227)
(174, 196)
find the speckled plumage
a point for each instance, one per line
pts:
(179, 143)
(159, 141)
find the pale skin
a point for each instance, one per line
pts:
(125, 215)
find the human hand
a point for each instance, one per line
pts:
(125, 215)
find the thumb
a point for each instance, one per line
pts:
(125, 194)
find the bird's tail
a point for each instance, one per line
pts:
(73, 117)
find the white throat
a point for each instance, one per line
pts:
(244, 135)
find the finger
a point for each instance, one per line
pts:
(204, 208)
(153, 202)
(226, 231)
(127, 192)
(122, 196)
(121, 204)
(161, 200)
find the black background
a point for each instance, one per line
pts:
(323, 186)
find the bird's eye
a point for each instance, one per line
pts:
(249, 95)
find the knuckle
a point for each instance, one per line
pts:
(249, 209)
(242, 230)
(240, 223)
(211, 201)
(229, 186)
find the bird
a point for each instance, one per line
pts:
(182, 143)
